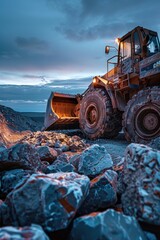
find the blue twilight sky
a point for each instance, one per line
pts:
(58, 45)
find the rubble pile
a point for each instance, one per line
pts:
(59, 141)
(55, 186)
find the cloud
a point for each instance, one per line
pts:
(31, 43)
(94, 19)
(34, 98)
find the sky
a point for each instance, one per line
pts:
(58, 45)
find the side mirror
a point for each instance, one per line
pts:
(107, 49)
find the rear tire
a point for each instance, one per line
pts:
(141, 119)
(97, 118)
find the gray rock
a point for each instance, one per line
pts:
(59, 166)
(47, 154)
(119, 170)
(150, 236)
(34, 232)
(94, 160)
(74, 160)
(2, 146)
(141, 197)
(22, 156)
(102, 193)
(63, 158)
(1, 202)
(107, 225)
(48, 200)
(9, 179)
(155, 143)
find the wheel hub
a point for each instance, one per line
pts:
(150, 121)
(147, 121)
(92, 114)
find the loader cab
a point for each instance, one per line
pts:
(136, 45)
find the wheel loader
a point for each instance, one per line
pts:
(127, 96)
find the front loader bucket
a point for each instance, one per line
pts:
(61, 112)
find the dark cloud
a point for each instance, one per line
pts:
(105, 19)
(95, 32)
(32, 43)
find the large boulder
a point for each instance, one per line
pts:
(107, 225)
(9, 179)
(22, 156)
(94, 160)
(34, 232)
(141, 197)
(48, 200)
(102, 193)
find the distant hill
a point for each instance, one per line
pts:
(20, 121)
(36, 116)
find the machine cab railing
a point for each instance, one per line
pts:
(112, 61)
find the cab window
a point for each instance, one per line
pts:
(125, 48)
(153, 44)
(137, 46)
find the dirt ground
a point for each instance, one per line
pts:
(116, 146)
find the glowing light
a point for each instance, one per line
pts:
(117, 40)
(94, 80)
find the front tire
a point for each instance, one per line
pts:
(97, 118)
(141, 119)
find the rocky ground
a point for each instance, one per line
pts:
(57, 185)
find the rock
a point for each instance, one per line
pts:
(63, 158)
(94, 160)
(1, 202)
(34, 232)
(9, 179)
(118, 168)
(141, 197)
(107, 225)
(155, 143)
(48, 200)
(150, 236)
(22, 156)
(74, 160)
(2, 146)
(102, 193)
(47, 154)
(60, 166)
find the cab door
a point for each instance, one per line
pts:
(126, 55)
(136, 51)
